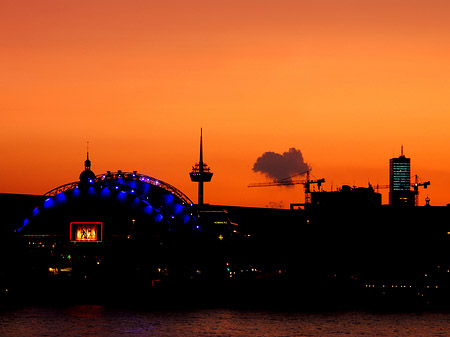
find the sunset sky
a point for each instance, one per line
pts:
(347, 82)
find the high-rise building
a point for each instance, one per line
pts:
(400, 193)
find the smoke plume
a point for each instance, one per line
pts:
(280, 166)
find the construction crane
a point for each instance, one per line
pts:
(288, 182)
(415, 185)
(378, 187)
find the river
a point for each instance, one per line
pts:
(98, 320)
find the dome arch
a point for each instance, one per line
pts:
(137, 194)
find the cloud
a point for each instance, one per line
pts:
(281, 166)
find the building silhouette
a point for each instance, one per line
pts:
(400, 193)
(87, 175)
(125, 237)
(347, 197)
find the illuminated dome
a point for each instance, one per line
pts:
(115, 199)
(94, 236)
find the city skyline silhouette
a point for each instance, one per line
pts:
(346, 83)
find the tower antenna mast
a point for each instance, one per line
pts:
(201, 172)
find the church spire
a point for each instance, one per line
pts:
(87, 174)
(87, 163)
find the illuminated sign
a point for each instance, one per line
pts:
(86, 231)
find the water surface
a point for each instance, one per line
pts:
(96, 320)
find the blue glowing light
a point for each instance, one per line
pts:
(75, 192)
(145, 188)
(35, 211)
(91, 190)
(25, 222)
(105, 193)
(61, 198)
(48, 203)
(168, 198)
(158, 218)
(136, 201)
(148, 209)
(122, 196)
(177, 208)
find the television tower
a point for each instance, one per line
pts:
(201, 172)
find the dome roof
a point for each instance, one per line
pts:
(86, 175)
(114, 199)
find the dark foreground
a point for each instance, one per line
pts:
(98, 320)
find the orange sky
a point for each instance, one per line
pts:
(346, 82)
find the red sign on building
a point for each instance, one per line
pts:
(86, 231)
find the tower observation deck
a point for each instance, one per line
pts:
(201, 172)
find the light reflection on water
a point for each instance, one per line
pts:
(93, 320)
